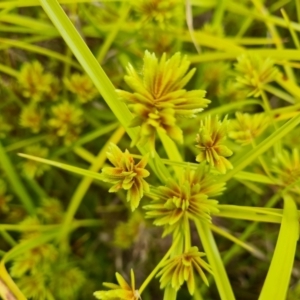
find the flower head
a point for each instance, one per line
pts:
(247, 127)
(159, 96)
(212, 77)
(159, 11)
(82, 86)
(254, 72)
(287, 167)
(31, 117)
(120, 291)
(181, 268)
(126, 175)
(34, 82)
(125, 234)
(188, 197)
(66, 121)
(209, 140)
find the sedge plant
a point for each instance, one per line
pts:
(152, 146)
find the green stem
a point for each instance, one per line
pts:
(25, 143)
(263, 147)
(262, 161)
(155, 270)
(170, 293)
(84, 154)
(86, 182)
(187, 233)
(98, 76)
(125, 8)
(8, 238)
(215, 261)
(219, 13)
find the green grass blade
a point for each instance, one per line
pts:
(98, 76)
(9, 71)
(28, 3)
(7, 286)
(262, 147)
(255, 251)
(215, 261)
(85, 183)
(26, 22)
(260, 214)
(80, 171)
(15, 181)
(278, 277)
(39, 50)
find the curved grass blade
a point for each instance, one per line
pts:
(15, 181)
(215, 261)
(63, 166)
(277, 135)
(91, 66)
(278, 277)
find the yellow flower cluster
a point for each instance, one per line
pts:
(159, 97)
(126, 175)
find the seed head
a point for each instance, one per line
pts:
(34, 83)
(188, 197)
(254, 72)
(31, 117)
(245, 128)
(66, 121)
(287, 168)
(81, 86)
(120, 291)
(181, 268)
(158, 97)
(210, 138)
(126, 175)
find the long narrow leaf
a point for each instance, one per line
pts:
(278, 277)
(15, 181)
(263, 146)
(98, 76)
(63, 166)
(215, 261)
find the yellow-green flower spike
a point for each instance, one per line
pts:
(188, 197)
(66, 121)
(210, 138)
(181, 268)
(82, 87)
(287, 168)
(31, 117)
(122, 290)
(159, 97)
(161, 12)
(245, 128)
(34, 83)
(126, 175)
(254, 72)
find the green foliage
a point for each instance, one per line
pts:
(143, 133)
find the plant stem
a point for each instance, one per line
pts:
(86, 182)
(158, 266)
(215, 261)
